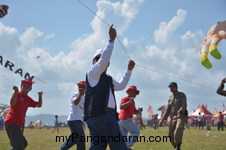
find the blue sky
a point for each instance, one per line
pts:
(159, 34)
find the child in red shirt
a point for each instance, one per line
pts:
(15, 118)
(127, 109)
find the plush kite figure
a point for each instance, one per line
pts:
(3, 10)
(211, 42)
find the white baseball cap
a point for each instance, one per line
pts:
(97, 52)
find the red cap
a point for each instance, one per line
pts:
(134, 88)
(28, 81)
(81, 83)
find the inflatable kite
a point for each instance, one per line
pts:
(211, 42)
(3, 10)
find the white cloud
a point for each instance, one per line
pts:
(119, 14)
(9, 40)
(30, 35)
(165, 34)
(50, 36)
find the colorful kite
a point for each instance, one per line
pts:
(3, 10)
(211, 42)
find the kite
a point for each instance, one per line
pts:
(37, 124)
(215, 35)
(3, 10)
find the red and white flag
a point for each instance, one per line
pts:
(150, 111)
(224, 106)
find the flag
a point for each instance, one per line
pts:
(215, 111)
(168, 120)
(2, 113)
(224, 106)
(162, 108)
(150, 111)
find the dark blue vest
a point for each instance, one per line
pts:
(96, 99)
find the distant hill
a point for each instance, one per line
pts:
(49, 119)
(45, 118)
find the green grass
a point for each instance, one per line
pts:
(194, 139)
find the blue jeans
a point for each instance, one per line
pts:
(77, 134)
(105, 130)
(129, 126)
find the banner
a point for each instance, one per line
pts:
(9, 65)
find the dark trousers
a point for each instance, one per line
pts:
(77, 134)
(105, 126)
(220, 125)
(16, 137)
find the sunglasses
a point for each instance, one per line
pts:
(81, 86)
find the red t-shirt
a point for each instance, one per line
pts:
(128, 111)
(220, 118)
(16, 114)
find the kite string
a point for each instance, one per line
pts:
(172, 76)
(153, 70)
(105, 23)
(93, 12)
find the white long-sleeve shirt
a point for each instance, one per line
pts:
(76, 111)
(99, 67)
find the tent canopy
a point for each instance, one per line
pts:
(203, 110)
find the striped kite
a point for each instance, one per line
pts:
(3, 10)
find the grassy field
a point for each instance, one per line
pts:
(194, 139)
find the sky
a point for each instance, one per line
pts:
(162, 36)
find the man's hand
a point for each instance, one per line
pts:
(131, 99)
(40, 93)
(131, 65)
(15, 88)
(179, 112)
(223, 81)
(39, 104)
(81, 92)
(160, 123)
(112, 33)
(14, 97)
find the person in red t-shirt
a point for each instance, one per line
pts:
(220, 121)
(127, 109)
(15, 118)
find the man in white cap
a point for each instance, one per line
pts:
(100, 104)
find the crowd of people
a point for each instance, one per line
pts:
(95, 104)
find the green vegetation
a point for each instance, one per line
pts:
(194, 139)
